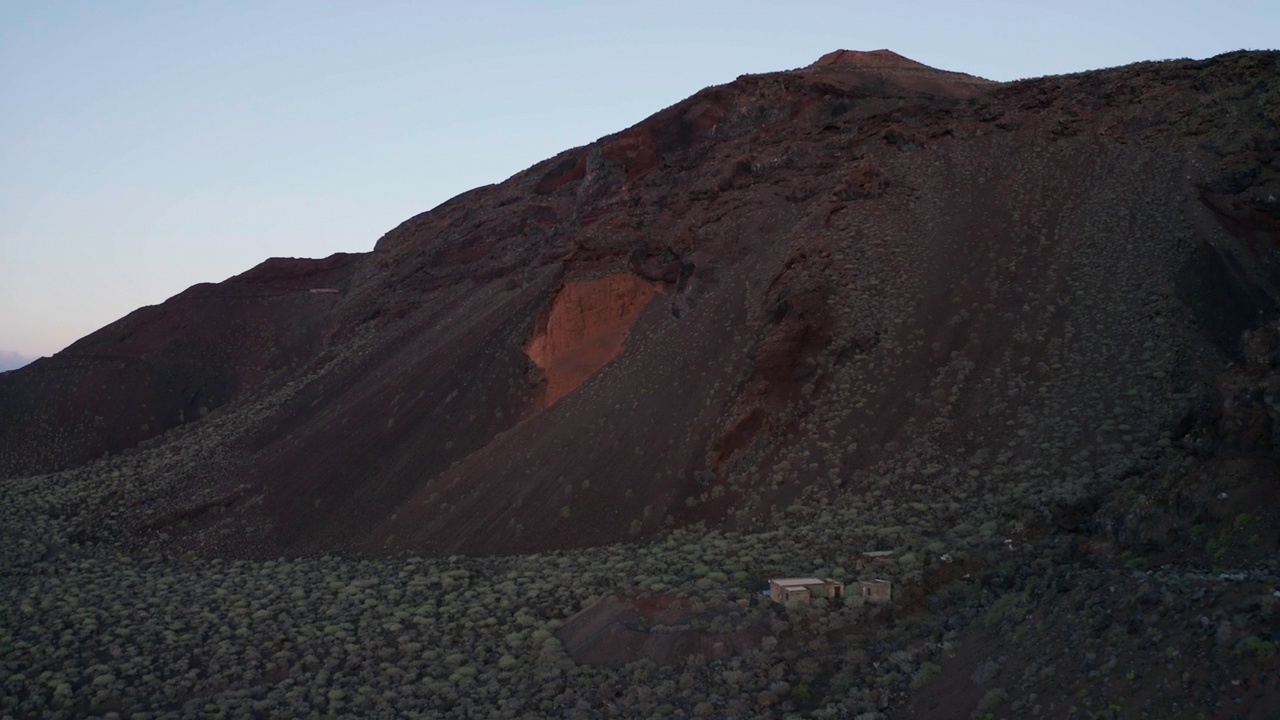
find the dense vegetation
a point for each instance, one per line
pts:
(91, 627)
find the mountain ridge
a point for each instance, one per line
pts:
(839, 197)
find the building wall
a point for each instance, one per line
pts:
(876, 592)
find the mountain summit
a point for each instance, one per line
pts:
(886, 61)
(869, 60)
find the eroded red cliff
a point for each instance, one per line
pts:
(585, 327)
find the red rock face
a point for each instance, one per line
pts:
(585, 328)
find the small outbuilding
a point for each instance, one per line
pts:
(876, 591)
(875, 558)
(782, 590)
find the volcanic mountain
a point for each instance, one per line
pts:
(864, 277)
(1007, 353)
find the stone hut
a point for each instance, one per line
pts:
(876, 591)
(803, 589)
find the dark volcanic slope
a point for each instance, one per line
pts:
(165, 365)
(864, 277)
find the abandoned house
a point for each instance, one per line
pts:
(876, 591)
(803, 589)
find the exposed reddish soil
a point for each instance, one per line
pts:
(620, 629)
(584, 328)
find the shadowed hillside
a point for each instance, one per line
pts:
(860, 304)
(166, 365)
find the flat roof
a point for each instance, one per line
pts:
(799, 581)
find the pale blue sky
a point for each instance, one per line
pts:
(148, 146)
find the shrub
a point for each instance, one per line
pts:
(992, 700)
(925, 675)
(1256, 648)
